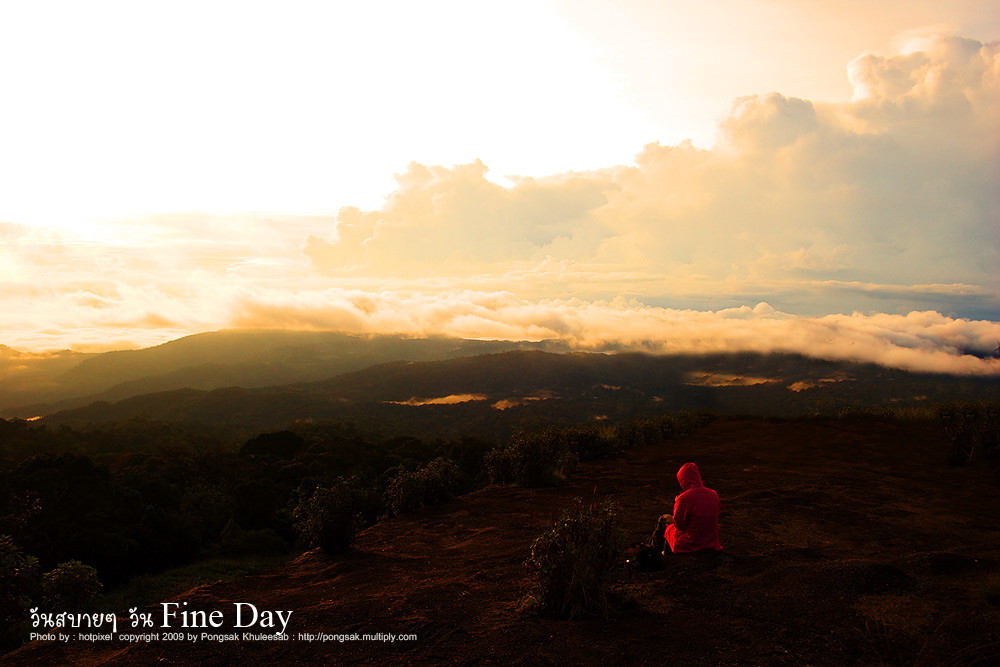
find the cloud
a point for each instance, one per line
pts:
(895, 187)
(147, 309)
(863, 230)
(440, 218)
(140, 282)
(919, 341)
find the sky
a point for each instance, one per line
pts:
(670, 176)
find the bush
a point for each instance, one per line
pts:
(71, 587)
(899, 413)
(586, 442)
(545, 458)
(18, 582)
(682, 423)
(531, 459)
(441, 479)
(593, 441)
(973, 428)
(404, 493)
(331, 515)
(434, 483)
(571, 565)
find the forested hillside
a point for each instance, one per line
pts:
(489, 395)
(38, 384)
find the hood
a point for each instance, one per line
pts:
(689, 476)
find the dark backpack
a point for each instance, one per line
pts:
(643, 558)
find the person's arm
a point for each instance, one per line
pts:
(681, 510)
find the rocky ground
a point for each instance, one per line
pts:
(847, 543)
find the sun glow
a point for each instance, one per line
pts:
(129, 109)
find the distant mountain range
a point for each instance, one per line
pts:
(32, 384)
(241, 381)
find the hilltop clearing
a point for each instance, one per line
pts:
(848, 542)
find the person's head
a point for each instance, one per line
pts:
(689, 476)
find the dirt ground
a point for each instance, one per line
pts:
(846, 543)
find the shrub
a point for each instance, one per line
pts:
(71, 586)
(586, 442)
(434, 483)
(500, 465)
(18, 581)
(899, 413)
(546, 457)
(404, 493)
(973, 428)
(531, 459)
(641, 432)
(571, 565)
(683, 422)
(331, 515)
(441, 478)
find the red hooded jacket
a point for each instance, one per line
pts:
(696, 514)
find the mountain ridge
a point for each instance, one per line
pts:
(446, 398)
(249, 358)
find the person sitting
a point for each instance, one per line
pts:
(694, 525)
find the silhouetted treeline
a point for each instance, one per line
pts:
(142, 496)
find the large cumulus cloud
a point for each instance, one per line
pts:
(895, 187)
(441, 219)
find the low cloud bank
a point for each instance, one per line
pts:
(111, 317)
(919, 341)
